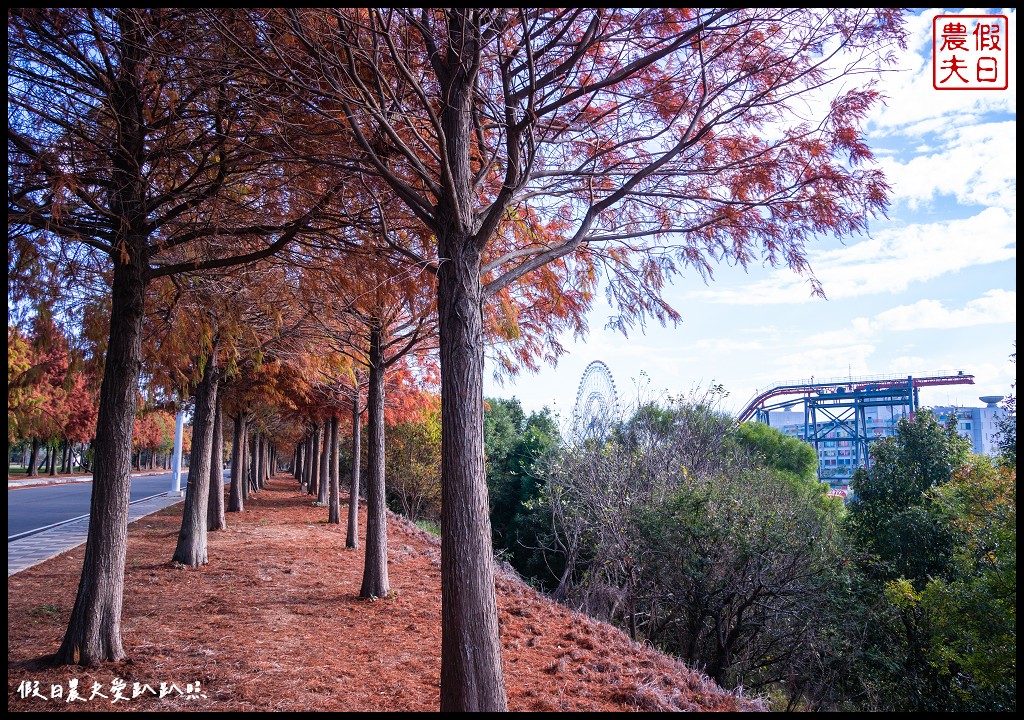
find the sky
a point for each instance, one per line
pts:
(930, 289)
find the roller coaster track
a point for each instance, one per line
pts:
(805, 388)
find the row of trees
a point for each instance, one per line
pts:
(497, 162)
(52, 403)
(49, 398)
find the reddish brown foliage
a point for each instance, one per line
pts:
(274, 623)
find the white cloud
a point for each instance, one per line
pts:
(996, 306)
(889, 262)
(977, 166)
(915, 363)
(859, 330)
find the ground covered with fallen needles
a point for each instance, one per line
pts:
(274, 622)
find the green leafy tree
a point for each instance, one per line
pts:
(792, 457)
(1006, 426)
(519, 449)
(973, 613)
(413, 448)
(736, 574)
(677, 528)
(504, 421)
(890, 517)
(934, 526)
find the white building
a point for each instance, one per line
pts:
(980, 424)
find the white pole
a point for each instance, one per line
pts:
(176, 463)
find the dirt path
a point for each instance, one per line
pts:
(274, 623)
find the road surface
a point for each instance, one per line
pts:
(37, 507)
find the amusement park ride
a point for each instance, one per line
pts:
(597, 402)
(840, 411)
(836, 410)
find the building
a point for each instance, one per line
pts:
(980, 424)
(840, 453)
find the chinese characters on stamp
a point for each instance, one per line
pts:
(970, 52)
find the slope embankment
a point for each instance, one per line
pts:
(274, 623)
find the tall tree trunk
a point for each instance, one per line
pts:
(191, 549)
(32, 458)
(334, 514)
(310, 459)
(375, 561)
(303, 461)
(266, 472)
(312, 448)
(352, 536)
(254, 462)
(325, 466)
(268, 466)
(247, 438)
(257, 463)
(314, 460)
(471, 674)
(235, 495)
(264, 461)
(94, 631)
(215, 519)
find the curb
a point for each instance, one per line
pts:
(43, 481)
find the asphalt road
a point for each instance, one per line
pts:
(36, 507)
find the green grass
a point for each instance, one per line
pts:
(45, 613)
(430, 526)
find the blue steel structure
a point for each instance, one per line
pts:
(836, 411)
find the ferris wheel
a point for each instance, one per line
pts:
(597, 403)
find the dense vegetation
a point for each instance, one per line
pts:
(716, 543)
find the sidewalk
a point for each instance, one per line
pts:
(60, 480)
(34, 549)
(42, 480)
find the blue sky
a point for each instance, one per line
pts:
(932, 288)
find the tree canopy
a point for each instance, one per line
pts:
(464, 178)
